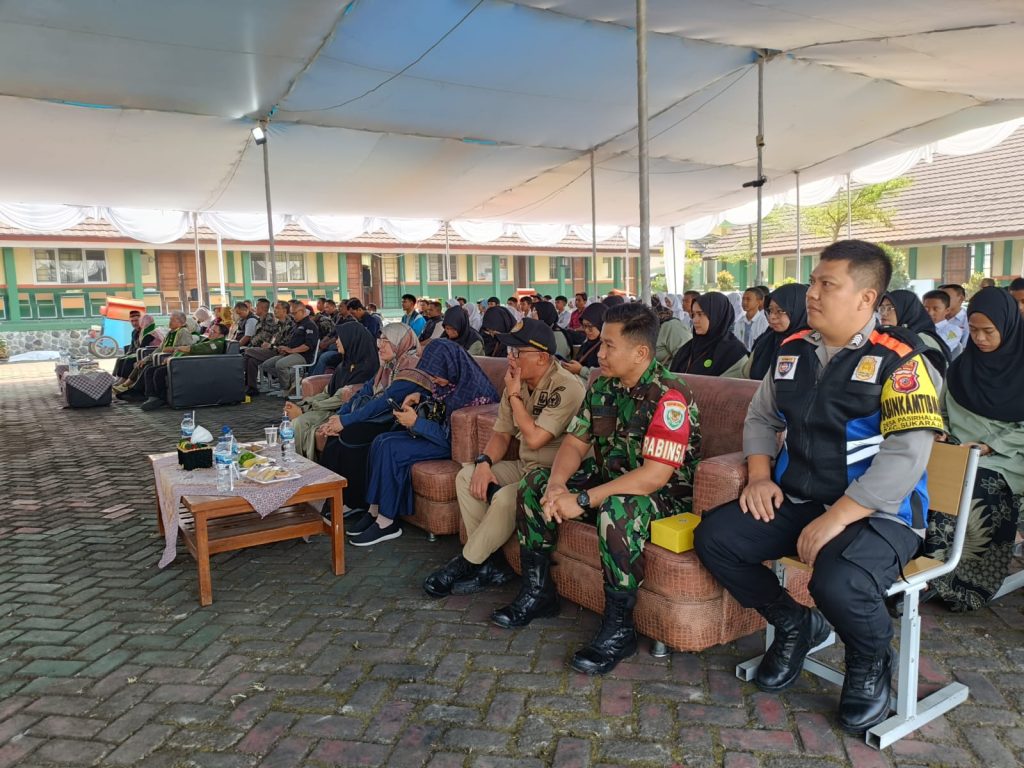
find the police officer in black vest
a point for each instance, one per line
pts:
(847, 492)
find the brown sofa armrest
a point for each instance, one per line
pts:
(466, 438)
(719, 479)
(314, 385)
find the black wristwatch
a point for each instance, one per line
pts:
(583, 499)
(483, 458)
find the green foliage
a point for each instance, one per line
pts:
(900, 275)
(788, 281)
(829, 220)
(658, 283)
(973, 285)
(726, 282)
(3, 349)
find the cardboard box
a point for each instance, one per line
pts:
(675, 533)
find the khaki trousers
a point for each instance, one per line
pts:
(489, 527)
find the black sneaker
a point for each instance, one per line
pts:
(153, 403)
(375, 535)
(359, 524)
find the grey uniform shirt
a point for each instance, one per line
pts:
(902, 457)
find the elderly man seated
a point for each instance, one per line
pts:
(298, 350)
(156, 376)
(539, 401)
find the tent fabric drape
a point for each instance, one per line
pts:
(479, 232)
(149, 226)
(42, 218)
(334, 228)
(242, 226)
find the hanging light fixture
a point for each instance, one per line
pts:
(259, 135)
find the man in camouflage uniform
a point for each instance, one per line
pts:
(272, 330)
(641, 423)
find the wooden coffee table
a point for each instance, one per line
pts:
(212, 524)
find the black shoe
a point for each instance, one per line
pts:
(797, 631)
(252, 392)
(439, 583)
(351, 514)
(376, 535)
(864, 702)
(129, 396)
(537, 598)
(153, 403)
(493, 573)
(615, 641)
(359, 524)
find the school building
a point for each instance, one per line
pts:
(61, 280)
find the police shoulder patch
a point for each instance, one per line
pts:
(785, 367)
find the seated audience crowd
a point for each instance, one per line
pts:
(607, 431)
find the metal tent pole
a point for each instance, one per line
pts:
(626, 266)
(447, 262)
(760, 167)
(797, 174)
(199, 266)
(641, 132)
(849, 210)
(220, 269)
(272, 258)
(593, 221)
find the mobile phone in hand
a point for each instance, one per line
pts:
(394, 406)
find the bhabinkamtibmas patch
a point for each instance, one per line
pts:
(909, 400)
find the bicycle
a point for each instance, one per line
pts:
(101, 346)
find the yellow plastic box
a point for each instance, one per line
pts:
(675, 533)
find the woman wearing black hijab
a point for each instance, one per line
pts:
(496, 320)
(714, 350)
(901, 307)
(983, 404)
(585, 360)
(545, 312)
(787, 314)
(456, 328)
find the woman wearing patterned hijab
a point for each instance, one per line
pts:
(982, 404)
(349, 432)
(457, 381)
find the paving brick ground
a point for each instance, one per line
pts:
(106, 660)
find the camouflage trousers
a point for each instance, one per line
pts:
(623, 524)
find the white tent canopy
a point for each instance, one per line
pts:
(483, 111)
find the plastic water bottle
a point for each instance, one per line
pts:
(287, 434)
(188, 426)
(73, 366)
(222, 459)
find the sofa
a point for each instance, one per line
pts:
(206, 379)
(680, 605)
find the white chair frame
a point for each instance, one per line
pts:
(297, 374)
(911, 712)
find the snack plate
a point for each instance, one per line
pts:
(252, 447)
(290, 476)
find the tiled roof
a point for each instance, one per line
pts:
(974, 197)
(292, 236)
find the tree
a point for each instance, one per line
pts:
(829, 220)
(726, 281)
(900, 276)
(658, 283)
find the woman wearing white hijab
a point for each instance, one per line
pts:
(475, 318)
(736, 300)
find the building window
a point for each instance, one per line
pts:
(986, 258)
(790, 268)
(389, 270)
(290, 267)
(70, 266)
(711, 272)
(606, 268)
(485, 269)
(553, 264)
(412, 268)
(435, 267)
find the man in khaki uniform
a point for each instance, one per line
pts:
(539, 401)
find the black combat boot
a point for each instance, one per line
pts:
(537, 598)
(615, 641)
(864, 702)
(797, 631)
(439, 583)
(493, 573)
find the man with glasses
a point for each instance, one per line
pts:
(539, 401)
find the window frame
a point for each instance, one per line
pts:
(289, 258)
(82, 261)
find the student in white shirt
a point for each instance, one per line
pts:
(753, 321)
(936, 304)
